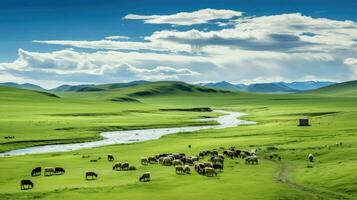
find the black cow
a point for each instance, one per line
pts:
(36, 171)
(59, 171)
(26, 184)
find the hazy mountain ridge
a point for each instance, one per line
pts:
(274, 87)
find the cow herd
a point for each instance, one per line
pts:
(207, 163)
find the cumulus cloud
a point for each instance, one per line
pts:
(186, 18)
(283, 47)
(117, 37)
(69, 65)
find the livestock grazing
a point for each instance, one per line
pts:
(238, 152)
(217, 159)
(36, 171)
(49, 171)
(209, 171)
(189, 146)
(167, 161)
(207, 164)
(59, 171)
(179, 170)
(251, 160)
(132, 168)
(85, 156)
(199, 167)
(145, 177)
(311, 157)
(189, 161)
(152, 159)
(91, 175)
(110, 157)
(144, 160)
(94, 160)
(117, 166)
(217, 166)
(124, 166)
(177, 162)
(214, 153)
(187, 169)
(26, 184)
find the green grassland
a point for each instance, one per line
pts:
(38, 118)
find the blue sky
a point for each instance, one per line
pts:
(57, 42)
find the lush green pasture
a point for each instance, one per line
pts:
(81, 116)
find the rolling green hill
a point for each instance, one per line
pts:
(340, 89)
(34, 118)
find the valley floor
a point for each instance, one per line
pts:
(332, 138)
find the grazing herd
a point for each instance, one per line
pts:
(207, 163)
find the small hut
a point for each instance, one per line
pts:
(304, 122)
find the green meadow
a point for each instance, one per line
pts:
(36, 118)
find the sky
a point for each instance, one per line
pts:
(49, 43)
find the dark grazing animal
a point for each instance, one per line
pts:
(311, 157)
(217, 166)
(179, 170)
(144, 160)
(26, 184)
(145, 177)
(59, 171)
(117, 166)
(49, 171)
(125, 166)
(152, 159)
(209, 171)
(251, 160)
(91, 175)
(110, 157)
(36, 171)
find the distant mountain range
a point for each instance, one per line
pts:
(276, 87)
(27, 86)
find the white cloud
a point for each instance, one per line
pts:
(186, 18)
(283, 47)
(117, 37)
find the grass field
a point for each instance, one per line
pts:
(37, 118)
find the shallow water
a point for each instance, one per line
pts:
(229, 119)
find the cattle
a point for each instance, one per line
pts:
(218, 166)
(311, 157)
(216, 159)
(49, 171)
(59, 171)
(179, 170)
(207, 164)
(177, 162)
(144, 160)
(152, 160)
(91, 175)
(124, 166)
(36, 171)
(110, 157)
(251, 160)
(145, 177)
(132, 168)
(209, 171)
(26, 184)
(199, 167)
(189, 161)
(117, 166)
(167, 161)
(187, 169)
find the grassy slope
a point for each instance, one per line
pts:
(344, 89)
(331, 175)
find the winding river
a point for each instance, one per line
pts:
(228, 119)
